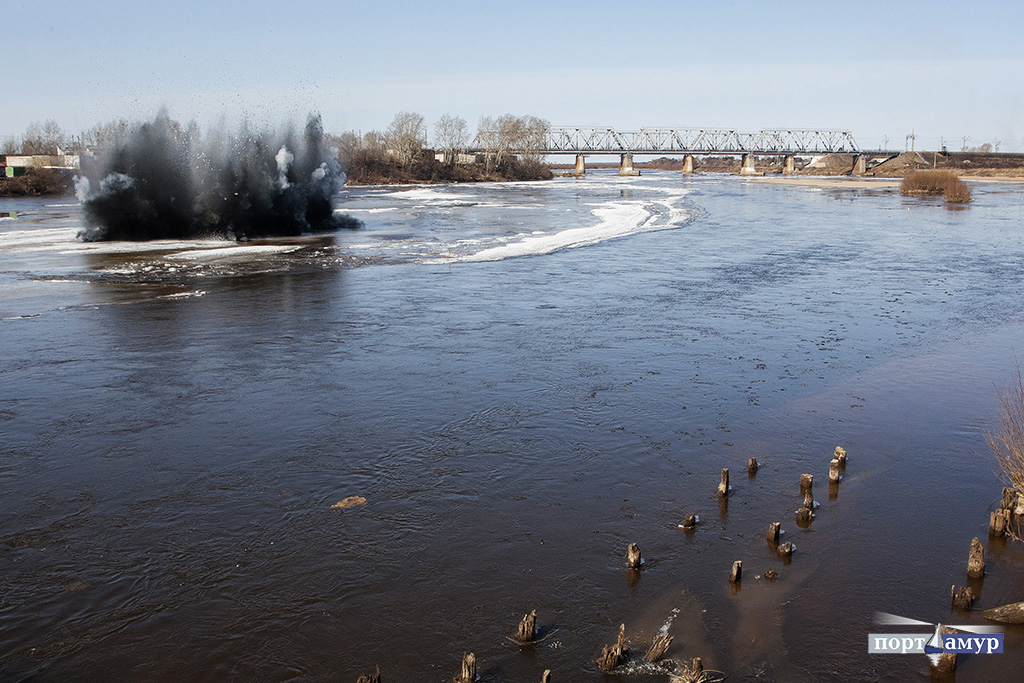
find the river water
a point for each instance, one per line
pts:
(520, 380)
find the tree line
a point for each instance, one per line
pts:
(509, 147)
(403, 152)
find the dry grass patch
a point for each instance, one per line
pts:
(925, 183)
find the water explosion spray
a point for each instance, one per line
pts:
(162, 183)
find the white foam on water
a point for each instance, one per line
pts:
(616, 220)
(231, 252)
(376, 210)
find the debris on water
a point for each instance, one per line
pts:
(350, 502)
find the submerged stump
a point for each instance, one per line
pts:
(690, 520)
(976, 560)
(963, 599)
(840, 455)
(752, 466)
(723, 486)
(774, 529)
(947, 660)
(658, 648)
(786, 549)
(833, 470)
(806, 482)
(546, 677)
(468, 674)
(370, 678)
(527, 632)
(737, 572)
(613, 655)
(1007, 614)
(633, 558)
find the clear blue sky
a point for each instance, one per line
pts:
(877, 68)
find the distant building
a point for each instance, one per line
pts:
(13, 165)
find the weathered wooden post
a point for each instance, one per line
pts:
(752, 466)
(976, 560)
(737, 572)
(808, 500)
(786, 549)
(999, 522)
(546, 678)
(840, 455)
(806, 482)
(774, 530)
(527, 632)
(633, 559)
(658, 648)
(962, 599)
(690, 520)
(947, 660)
(723, 486)
(371, 678)
(613, 655)
(771, 575)
(1009, 498)
(833, 470)
(468, 674)
(697, 669)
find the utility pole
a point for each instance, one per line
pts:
(996, 142)
(965, 138)
(885, 142)
(909, 141)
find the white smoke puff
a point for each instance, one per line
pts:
(82, 188)
(319, 172)
(284, 160)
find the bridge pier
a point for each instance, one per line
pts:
(788, 165)
(626, 165)
(688, 164)
(581, 166)
(747, 166)
(860, 165)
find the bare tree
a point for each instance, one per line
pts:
(10, 145)
(1006, 438)
(406, 136)
(43, 138)
(451, 133)
(109, 133)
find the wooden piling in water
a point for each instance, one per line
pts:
(468, 674)
(723, 486)
(613, 655)
(976, 560)
(697, 668)
(808, 500)
(774, 529)
(947, 660)
(546, 677)
(840, 455)
(786, 549)
(833, 470)
(737, 572)
(806, 482)
(752, 466)
(962, 599)
(371, 678)
(690, 520)
(527, 631)
(633, 558)
(658, 648)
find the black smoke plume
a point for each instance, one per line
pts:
(160, 182)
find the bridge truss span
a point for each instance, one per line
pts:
(593, 140)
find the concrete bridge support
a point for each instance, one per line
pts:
(788, 165)
(581, 166)
(626, 165)
(860, 165)
(747, 166)
(688, 164)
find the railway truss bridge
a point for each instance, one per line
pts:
(690, 142)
